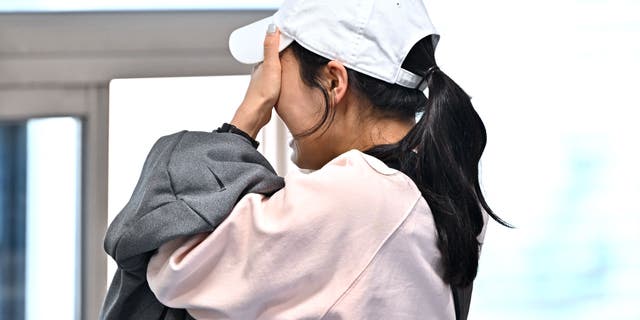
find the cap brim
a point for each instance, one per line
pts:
(247, 43)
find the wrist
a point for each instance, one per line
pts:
(233, 129)
(251, 128)
(251, 117)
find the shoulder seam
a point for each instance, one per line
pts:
(372, 259)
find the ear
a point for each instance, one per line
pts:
(338, 80)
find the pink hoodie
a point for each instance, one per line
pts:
(353, 240)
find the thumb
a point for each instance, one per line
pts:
(271, 45)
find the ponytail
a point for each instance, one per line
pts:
(449, 140)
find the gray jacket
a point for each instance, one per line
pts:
(188, 185)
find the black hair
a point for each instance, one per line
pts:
(449, 140)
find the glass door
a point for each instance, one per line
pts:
(40, 180)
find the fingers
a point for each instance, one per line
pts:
(271, 45)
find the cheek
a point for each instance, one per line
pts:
(298, 105)
(299, 118)
(291, 106)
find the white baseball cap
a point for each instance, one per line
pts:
(369, 36)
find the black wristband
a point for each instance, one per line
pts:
(233, 129)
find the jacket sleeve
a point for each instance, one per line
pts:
(188, 185)
(304, 246)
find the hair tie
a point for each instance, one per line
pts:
(423, 83)
(431, 71)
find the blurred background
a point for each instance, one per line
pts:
(86, 87)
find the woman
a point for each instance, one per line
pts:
(390, 223)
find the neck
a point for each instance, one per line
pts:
(363, 135)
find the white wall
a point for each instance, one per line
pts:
(555, 83)
(53, 218)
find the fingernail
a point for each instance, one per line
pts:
(271, 29)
